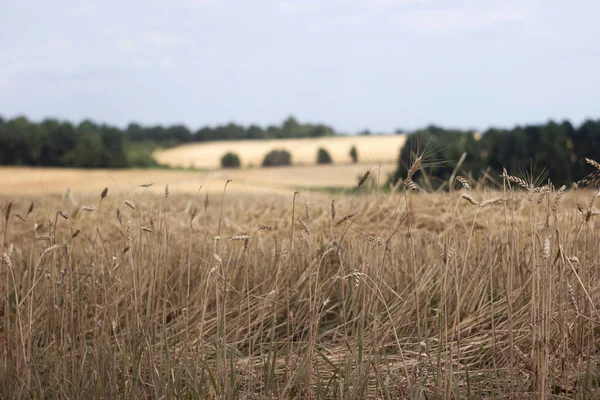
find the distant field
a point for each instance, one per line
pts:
(304, 151)
(38, 181)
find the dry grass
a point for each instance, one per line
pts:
(408, 295)
(304, 151)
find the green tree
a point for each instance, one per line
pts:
(290, 127)
(584, 143)
(113, 143)
(255, 132)
(88, 152)
(230, 160)
(442, 149)
(59, 140)
(323, 156)
(354, 154)
(277, 157)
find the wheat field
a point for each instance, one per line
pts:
(371, 149)
(149, 293)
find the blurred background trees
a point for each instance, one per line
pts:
(90, 145)
(555, 150)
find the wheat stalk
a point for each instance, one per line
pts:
(463, 182)
(239, 237)
(572, 299)
(333, 210)
(514, 179)
(557, 198)
(469, 198)
(50, 249)
(345, 218)
(7, 211)
(411, 184)
(307, 212)
(593, 163)
(304, 226)
(363, 178)
(7, 260)
(376, 240)
(414, 167)
(491, 202)
(546, 250)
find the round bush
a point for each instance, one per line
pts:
(230, 160)
(323, 157)
(277, 157)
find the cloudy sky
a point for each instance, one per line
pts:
(355, 64)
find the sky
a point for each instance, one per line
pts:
(353, 64)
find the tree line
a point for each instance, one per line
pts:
(555, 151)
(90, 145)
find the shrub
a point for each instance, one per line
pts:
(354, 154)
(277, 157)
(323, 156)
(230, 160)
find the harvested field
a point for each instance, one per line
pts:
(40, 181)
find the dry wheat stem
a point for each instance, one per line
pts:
(463, 182)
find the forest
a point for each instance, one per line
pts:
(555, 151)
(90, 145)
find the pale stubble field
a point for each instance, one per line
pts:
(381, 148)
